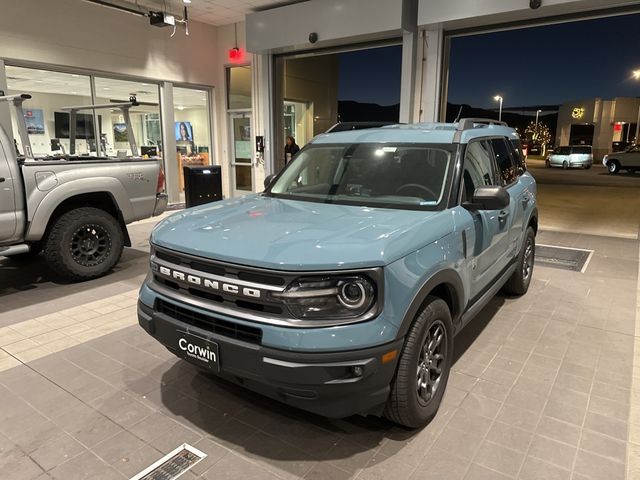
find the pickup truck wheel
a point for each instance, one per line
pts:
(519, 282)
(84, 243)
(423, 368)
(613, 167)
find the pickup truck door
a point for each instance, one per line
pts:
(631, 158)
(487, 254)
(8, 219)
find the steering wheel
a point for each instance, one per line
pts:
(414, 187)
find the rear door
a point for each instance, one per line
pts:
(487, 256)
(512, 216)
(8, 219)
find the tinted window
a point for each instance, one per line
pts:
(581, 150)
(506, 168)
(518, 155)
(478, 169)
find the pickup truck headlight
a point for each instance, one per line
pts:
(330, 297)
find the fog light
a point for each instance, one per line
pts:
(357, 371)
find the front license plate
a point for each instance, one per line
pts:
(199, 350)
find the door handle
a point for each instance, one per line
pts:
(525, 202)
(502, 216)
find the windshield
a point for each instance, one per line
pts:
(377, 175)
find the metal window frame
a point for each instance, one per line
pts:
(515, 25)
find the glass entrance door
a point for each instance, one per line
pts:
(242, 157)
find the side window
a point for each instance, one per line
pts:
(506, 168)
(478, 170)
(518, 155)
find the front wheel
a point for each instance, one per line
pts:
(423, 368)
(547, 163)
(519, 282)
(613, 167)
(565, 165)
(84, 243)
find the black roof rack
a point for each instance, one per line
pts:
(469, 123)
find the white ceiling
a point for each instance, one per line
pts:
(213, 12)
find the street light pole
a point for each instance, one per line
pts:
(537, 113)
(636, 75)
(498, 98)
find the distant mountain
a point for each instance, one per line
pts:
(351, 111)
(515, 120)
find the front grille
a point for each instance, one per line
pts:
(210, 324)
(265, 305)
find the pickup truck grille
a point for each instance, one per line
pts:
(218, 284)
(210, 324)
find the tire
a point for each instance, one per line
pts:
(587, 167)
(83, 244)
(519, 282)
(547, 163)
(407, 405)
(613, 167)
(565, 165)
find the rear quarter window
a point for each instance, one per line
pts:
(581, 150)
(518, 156)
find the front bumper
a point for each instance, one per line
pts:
(322, 383)
(162, 199)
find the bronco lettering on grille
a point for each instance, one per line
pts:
(208, 283)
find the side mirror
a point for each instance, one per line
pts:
(488, 198)
(268, 180)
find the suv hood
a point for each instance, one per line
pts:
(296, 235)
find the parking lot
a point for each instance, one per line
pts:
(543, 386)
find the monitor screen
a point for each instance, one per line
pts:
(84, 125)
(184, 132)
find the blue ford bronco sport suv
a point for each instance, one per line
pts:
(339, 289)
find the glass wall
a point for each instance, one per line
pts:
(316, 91)
(241, 141)
(47, 122)
(145, 118)
(192, 128)
(239, 87)
(52, 92)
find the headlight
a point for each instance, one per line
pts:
(330, 297)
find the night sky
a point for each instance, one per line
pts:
(371, 76)
(547, 65)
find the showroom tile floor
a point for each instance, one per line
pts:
(544, 387)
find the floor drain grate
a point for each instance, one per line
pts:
(172, 465)
(574, 259)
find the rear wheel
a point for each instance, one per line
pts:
(565, 164)
(84, 243)
(547, 163)
(613, 167)
(519, 282)
(423, 368)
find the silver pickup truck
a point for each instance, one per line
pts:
(73, 208)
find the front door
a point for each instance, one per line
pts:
(8, 219)
(489, 234)
(242, 154)
(632, 158)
